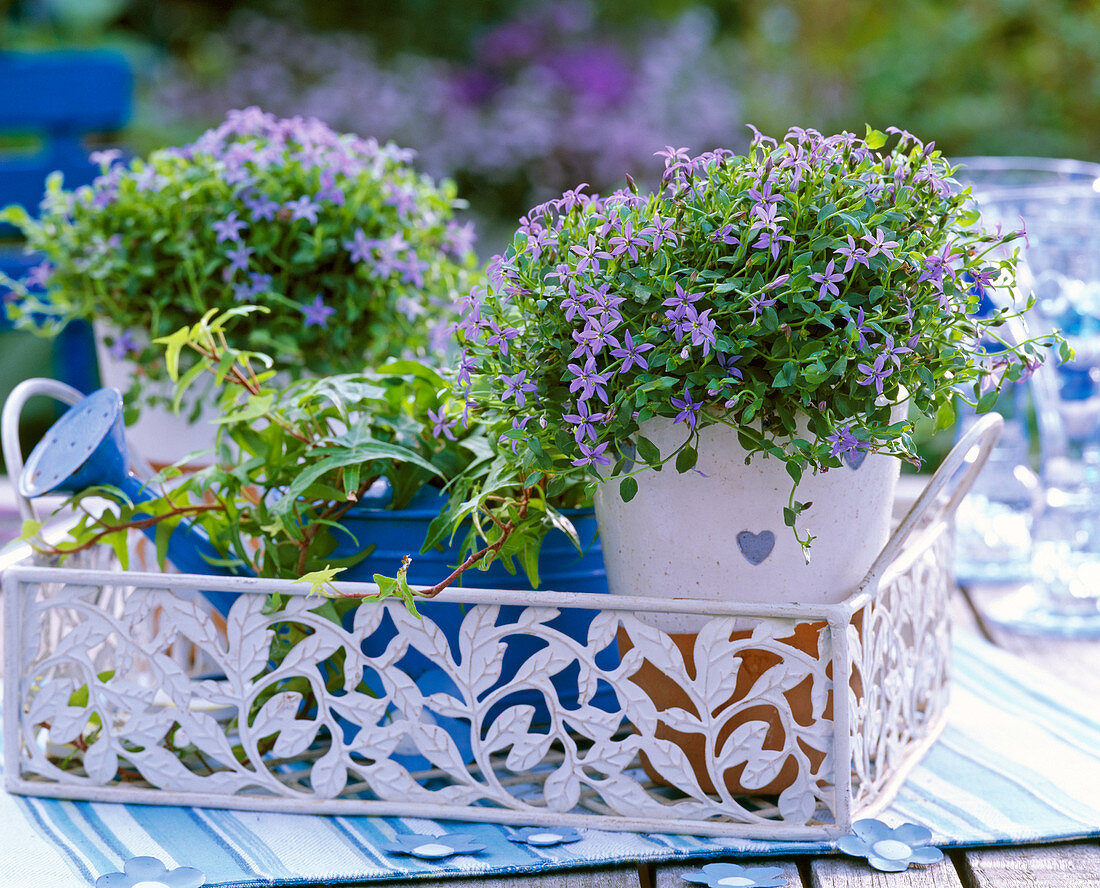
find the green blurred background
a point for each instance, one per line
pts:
(519, 100)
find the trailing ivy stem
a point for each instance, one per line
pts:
(506, 531)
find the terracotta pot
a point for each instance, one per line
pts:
(665, 694)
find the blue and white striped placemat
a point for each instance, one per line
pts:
(1018, 762)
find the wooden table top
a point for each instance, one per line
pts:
(1057, 865)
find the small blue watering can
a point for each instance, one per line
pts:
(87, 448)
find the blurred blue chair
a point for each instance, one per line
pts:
(56, 98)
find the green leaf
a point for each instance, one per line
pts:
(686, 459)
(163, 535)
(173, 346)
(647, 450)
(874, 138)
(987, 401)
(320, 581)
(628, 488)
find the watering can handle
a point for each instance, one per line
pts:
(959, 468)
(9, 427)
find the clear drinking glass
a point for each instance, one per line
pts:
(1061, 265)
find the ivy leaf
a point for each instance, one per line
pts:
(320, 581)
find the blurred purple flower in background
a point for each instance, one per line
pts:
(317, 313)
(546, 99)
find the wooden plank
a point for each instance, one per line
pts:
(671, 875)
(1074, 865)
(609, 877)
(846, 872)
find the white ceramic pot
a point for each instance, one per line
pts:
(717, 532)
(160, 436)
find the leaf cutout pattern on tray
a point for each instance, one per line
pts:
(520, 715)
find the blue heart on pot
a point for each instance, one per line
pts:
(855, 458)
(755, 546)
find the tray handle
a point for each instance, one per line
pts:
(944, 491)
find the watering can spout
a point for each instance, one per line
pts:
(87, 448)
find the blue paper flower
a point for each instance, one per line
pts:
(729, 875)
(890, 850)
(543, 836)
(151, 873)
(433, 847)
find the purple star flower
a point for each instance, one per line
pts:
(596, 334)
(593, 455)
(589, 255)
(517, 387)
(875, 373)
(845, 442)
(673, 155)
(229, 228)
(861, 329)
(412, 269)
(854, 254)
(317, 313)
(700, 327)
(459, 239)
(402, 199)
(627, 241)
(328, 190)
(582, 421)
(123, 345)
(772, 240)
(726, 362)
(757, 304)
(263, 207)
(238, 259)
(689, 409)
(680, 302)
(303, 208)
(588, 381)
(441, 426)
(38, 275)
(501, 337)
(360, 248)
(573, 303)
(661, 231)
(631, 353)
(104, 158)
(892, 352)
(724, 235)
(828, 281)
(572, 198)
(879, 244)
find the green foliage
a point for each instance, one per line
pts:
(293, 460)
(355, 255)
(797, 294)
(990, 77)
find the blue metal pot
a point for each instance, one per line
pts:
(396, 533)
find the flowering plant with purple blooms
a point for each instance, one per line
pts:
(796, 293)
(356, 255)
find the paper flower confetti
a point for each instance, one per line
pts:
(433, 847)
(890, 850)
(544, 836)
(730, 875)
(148, 872)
